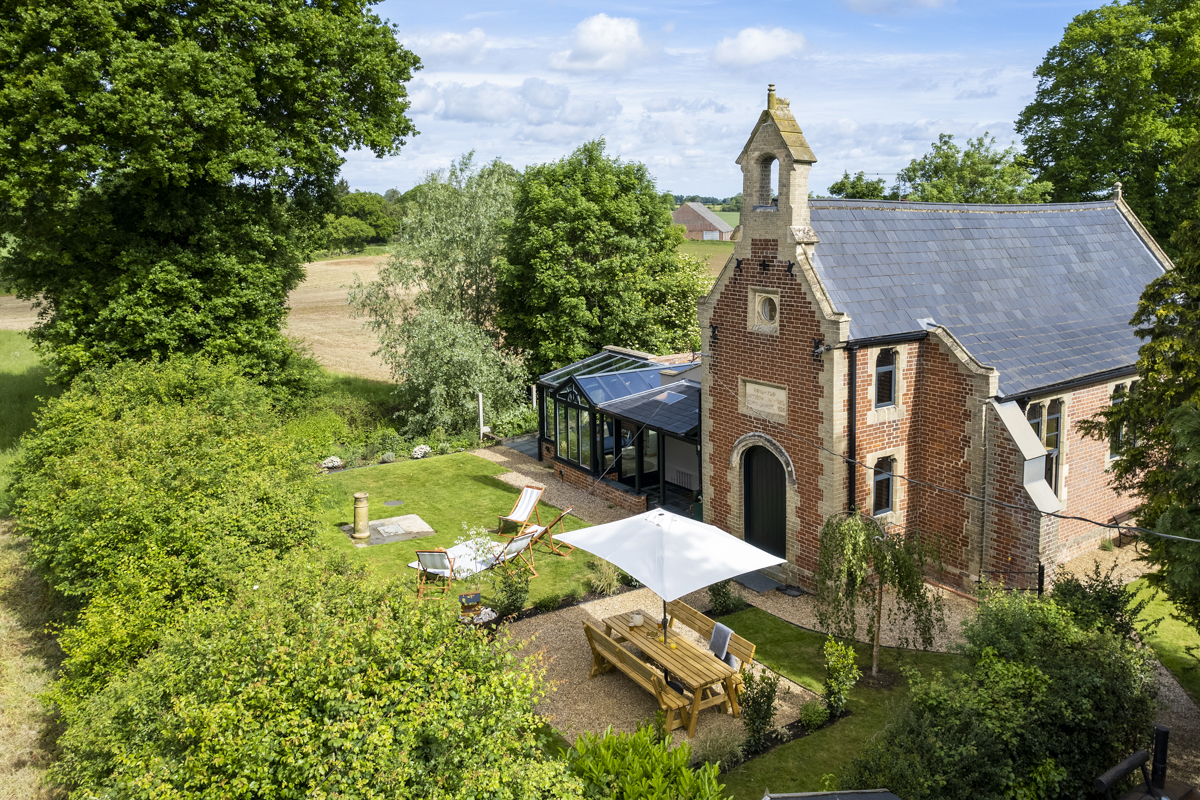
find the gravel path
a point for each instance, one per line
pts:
(529, 471)
(577, 704)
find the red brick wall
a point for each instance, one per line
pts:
(606, 490)
(1086, 480)
(783, 359)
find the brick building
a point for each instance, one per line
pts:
(701, 223)
(955, 345)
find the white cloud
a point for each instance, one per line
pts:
(893, 6)
(756, 46)
(535, 102)
(602, 43)
(658, 104)
(463, 47)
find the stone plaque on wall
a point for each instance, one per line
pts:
(764, 400)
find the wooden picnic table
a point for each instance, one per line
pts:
(697, 669)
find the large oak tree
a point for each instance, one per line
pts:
(164, 166)
(1118, 99)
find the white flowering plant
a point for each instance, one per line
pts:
(421, 450)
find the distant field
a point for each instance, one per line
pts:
(716, 253)
(732, 217)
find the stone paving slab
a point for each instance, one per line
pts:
(392, 529)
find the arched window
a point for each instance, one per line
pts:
(882, 502)
(768, 180)
(885, 379)
(1114, 441)
(1034, 415)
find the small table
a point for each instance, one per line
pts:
(696, 669)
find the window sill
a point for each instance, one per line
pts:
(884, 414)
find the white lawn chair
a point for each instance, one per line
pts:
(526, 504)
(434, 565)
(516, 549)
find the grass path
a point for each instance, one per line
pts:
(29, 659)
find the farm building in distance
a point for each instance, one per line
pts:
(701, 223)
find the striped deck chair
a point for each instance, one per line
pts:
(526, 504)
(545, 536)
(515, 551)
(434, 565)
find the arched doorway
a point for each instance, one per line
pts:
(764, 487)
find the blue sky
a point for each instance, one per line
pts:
(678, 85)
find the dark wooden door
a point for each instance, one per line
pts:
(766, 504)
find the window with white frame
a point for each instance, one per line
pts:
(881, 502)
(1046, 421)
(885, 379)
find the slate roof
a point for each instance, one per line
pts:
(674, 408)
(1044, 293)
(710, 217)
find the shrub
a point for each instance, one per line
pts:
(1106, 545)
(627, 579)
(722, 600)
(573, 594)
(604, 578)
(512, 591)
(1046, 707)
(657, 725)
(421, 450)
(149, 487)
(720, 745)
(758, 708)
(813, 715)
(547, 602)
(841, 673)
(302, 685)
(637, 766)
(1099, 602)
(516, 421)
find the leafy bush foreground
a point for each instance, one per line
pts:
(1047, 706)
(212, 649)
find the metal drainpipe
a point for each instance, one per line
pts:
(983, 521)
(852, 353)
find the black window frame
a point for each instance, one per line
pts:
(888, 371)
(883, 485)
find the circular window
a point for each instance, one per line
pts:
(768, 309)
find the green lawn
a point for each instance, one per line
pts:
(23, 380)
(797, 654)
(715, 253)
(369, 250)
(1169, 641)
(445, 491)
(734, 218)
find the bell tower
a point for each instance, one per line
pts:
(775, 164)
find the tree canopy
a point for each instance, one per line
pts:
(1118, 99)
(590, 261)
(166, 165)
(980, 173)
(858, 187)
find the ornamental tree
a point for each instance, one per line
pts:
(857, 560)
(590, 261)
(168, 165)
(1118, 99)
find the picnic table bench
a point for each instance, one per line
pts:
(607, 654)
(697, 669)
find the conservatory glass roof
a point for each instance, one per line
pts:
(603, 362)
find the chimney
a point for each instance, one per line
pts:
(770, 96)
